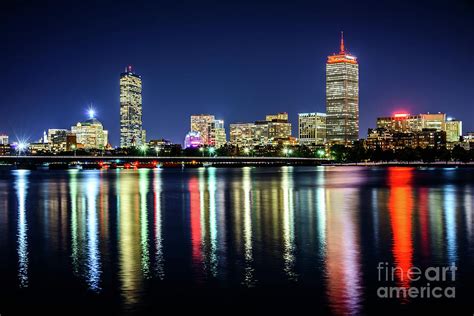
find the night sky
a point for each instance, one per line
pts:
(238, 60)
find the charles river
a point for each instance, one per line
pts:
(321, 240)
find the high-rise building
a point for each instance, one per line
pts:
(453, 130)
(201, 123)
(90, 134)
(131, 129)
(342, 97)
(312, 128)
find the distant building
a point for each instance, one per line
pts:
(4, 139)
(241, 134)
(407, 123)
(342, 97)
(193, 140)
(164, 147)
(453, 130)
(211, 131)
(385, 139)
(5, 148)
(217, 135)
(90, 134)
(312, 128)
(57, 139)
(201, 123)
(132, 133)
(260, 133)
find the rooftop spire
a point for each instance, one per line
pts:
(343, 50)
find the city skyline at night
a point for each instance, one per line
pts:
(273, 62)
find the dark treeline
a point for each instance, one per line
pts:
(358, 153)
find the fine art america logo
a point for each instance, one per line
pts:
(414, 282)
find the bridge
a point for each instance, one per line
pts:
(151, 161)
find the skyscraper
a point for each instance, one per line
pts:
(342, 97)
(131, 130)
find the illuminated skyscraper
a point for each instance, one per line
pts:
(132, 133)
(342, 97)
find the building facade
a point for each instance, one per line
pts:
(4, 139)
(90, 134)
(312, 128)
(342, 97)
(407, 123)
(201, 123)
(453, 130)
(242, 134)
(217, 135)
(132, 133)
(211, 131)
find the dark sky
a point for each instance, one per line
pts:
(238, 60)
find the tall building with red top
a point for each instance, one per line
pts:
(342, 97)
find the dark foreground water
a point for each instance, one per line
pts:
(297, 239)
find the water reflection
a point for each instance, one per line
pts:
(157, 191)
(400, 206)
(288, 223)
(450, 221)
(22, 241)
(129, 240)
(248, 227)
(343, 253)
(93, 270)
(143, 188)
(249, 278)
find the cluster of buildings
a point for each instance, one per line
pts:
(338, 125)
(86, 135)
(426, 130)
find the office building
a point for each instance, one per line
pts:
(132, 133)
(453, 130)
(342, 97)
(211, 131)
(90, 134)
(312, 128)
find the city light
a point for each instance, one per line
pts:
(22, 146)
(143, 149)
(91, 112)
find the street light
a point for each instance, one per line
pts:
(21, 147)
(285, 151)
(246, 151)
(211, 151)
(143, 149)
(201, 149)
(320, 153)
(73, 147)
(157, 150)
